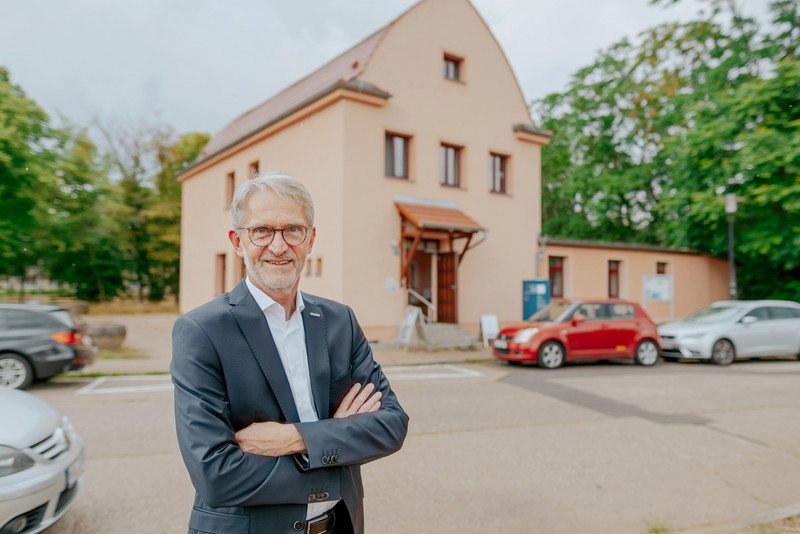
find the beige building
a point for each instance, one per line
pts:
(621, 270)
(419, 150)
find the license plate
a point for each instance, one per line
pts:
(500, 344)
(75, 470)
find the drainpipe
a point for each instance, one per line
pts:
(541, 245)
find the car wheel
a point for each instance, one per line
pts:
(723, 353)
(646, 352)
(15, 372)
(551, 355)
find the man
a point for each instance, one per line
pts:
(277, 398)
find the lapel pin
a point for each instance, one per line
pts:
(313, 314)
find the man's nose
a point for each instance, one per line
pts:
(278, 245)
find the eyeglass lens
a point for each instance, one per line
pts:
(263, 235)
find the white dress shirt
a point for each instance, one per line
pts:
(290, 340)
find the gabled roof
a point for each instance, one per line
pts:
(338, 72)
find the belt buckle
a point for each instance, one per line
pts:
(329, 520)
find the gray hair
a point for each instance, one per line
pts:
(279, 183)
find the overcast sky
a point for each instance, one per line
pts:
(197, 64)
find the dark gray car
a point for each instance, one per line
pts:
(39, 341)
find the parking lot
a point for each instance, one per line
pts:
(603, 448)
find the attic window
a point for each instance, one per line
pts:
(452, 67)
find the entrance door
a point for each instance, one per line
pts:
(446, 288)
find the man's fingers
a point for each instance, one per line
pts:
(369, 405)
(362, 397)
(347, 401)
(359, 400)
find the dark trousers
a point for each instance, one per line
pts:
(343, 524)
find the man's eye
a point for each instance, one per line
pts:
(294, 229)
(262, 230)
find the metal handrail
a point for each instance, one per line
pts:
(431, 318)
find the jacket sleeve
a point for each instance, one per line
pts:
(357, 439)
(222, 474)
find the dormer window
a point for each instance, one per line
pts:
(452, 67)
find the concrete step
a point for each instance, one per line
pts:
(445, 336)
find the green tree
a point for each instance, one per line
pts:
(649, 136)
(164, 214)
(81, 229)
(27, 145)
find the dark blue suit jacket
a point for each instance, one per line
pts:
(227, 375)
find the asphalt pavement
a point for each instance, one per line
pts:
(610, 448)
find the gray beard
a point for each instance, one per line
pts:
(265, 283)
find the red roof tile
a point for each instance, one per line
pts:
(344, 68)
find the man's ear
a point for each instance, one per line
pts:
(236, 241)
(311, 239)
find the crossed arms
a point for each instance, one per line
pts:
(272, 438)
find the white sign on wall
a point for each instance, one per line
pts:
(489, 328)
(658, 287)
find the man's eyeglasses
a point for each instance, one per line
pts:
(262, 236)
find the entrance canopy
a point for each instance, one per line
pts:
(421, 219)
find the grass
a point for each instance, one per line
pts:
(124, 353)
(116, 306)
(789, 525)
(657, 526)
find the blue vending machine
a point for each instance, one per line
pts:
(535, 296)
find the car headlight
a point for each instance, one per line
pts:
(13, 461)
(693, 336)
(523, 336)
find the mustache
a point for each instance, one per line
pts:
(288, 255)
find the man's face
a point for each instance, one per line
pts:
(275, 268)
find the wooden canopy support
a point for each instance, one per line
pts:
(427, 221)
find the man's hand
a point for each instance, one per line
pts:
(271, 438)
(359, 400)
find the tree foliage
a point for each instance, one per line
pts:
(650, 137)
(93, 218)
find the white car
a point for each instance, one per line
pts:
(733, 329)
(41, 463)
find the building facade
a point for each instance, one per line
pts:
(419, 150)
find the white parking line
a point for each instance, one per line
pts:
(114, 384)
(106, 384)
(428, 372)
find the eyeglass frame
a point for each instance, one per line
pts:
(274, 233)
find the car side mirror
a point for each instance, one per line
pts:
(749, 319)
(578, 318)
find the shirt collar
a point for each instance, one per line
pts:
(264, 301)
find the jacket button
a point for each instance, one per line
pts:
(312, 497)
(299, 525)
(325, 495)
(324, 460)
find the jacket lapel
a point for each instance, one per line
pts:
(256, 331)
(319, 365)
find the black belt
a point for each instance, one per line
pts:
(320, 525)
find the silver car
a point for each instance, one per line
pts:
(733, 329)
(41, 463)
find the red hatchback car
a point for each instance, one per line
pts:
(581, 329)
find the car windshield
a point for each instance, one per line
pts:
(714, 314)
(552, 312)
